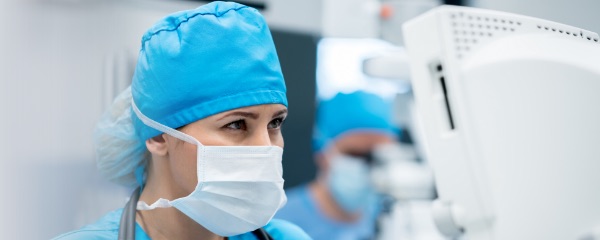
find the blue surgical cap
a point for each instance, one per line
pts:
(192, 64)
(352, 112)
(197, 63)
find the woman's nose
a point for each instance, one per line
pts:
(261, 138)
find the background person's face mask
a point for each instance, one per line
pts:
(239, 187)
(350, 183)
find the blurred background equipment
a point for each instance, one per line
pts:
(398, 172)
(398, 169)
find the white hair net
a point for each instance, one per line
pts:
(119, 152)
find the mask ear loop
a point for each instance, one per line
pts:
(160, 127)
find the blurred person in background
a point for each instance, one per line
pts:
(198, 133)
(341, 202)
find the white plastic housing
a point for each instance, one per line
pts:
(513, 130)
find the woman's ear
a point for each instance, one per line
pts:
(157, 145)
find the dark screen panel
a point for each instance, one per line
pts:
(298, 57)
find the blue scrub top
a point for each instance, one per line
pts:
(302, 210)
(107, 228)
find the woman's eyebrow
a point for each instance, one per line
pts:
(279, 113)
(251, 115)
(241, 114)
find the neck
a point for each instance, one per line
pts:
(327, 204)
(167, 223)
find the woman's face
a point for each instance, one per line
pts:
(249, 126)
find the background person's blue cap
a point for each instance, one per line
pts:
(352, 112)
(197, 63)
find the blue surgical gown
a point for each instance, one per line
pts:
(302, 210)
(108, 228)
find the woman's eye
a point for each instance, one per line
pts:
(237, 125)
(276, 123)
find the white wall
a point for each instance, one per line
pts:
(295, 15)
(578, 13)
(51, 95)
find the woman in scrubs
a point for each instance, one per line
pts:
(198, 133)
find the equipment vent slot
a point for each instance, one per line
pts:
(567, 32)
(448, 110)
(441, 94)
(470, 29)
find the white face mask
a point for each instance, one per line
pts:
(350, 183)
(240, 188)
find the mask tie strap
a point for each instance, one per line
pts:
(160, 127)
(160, 203)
